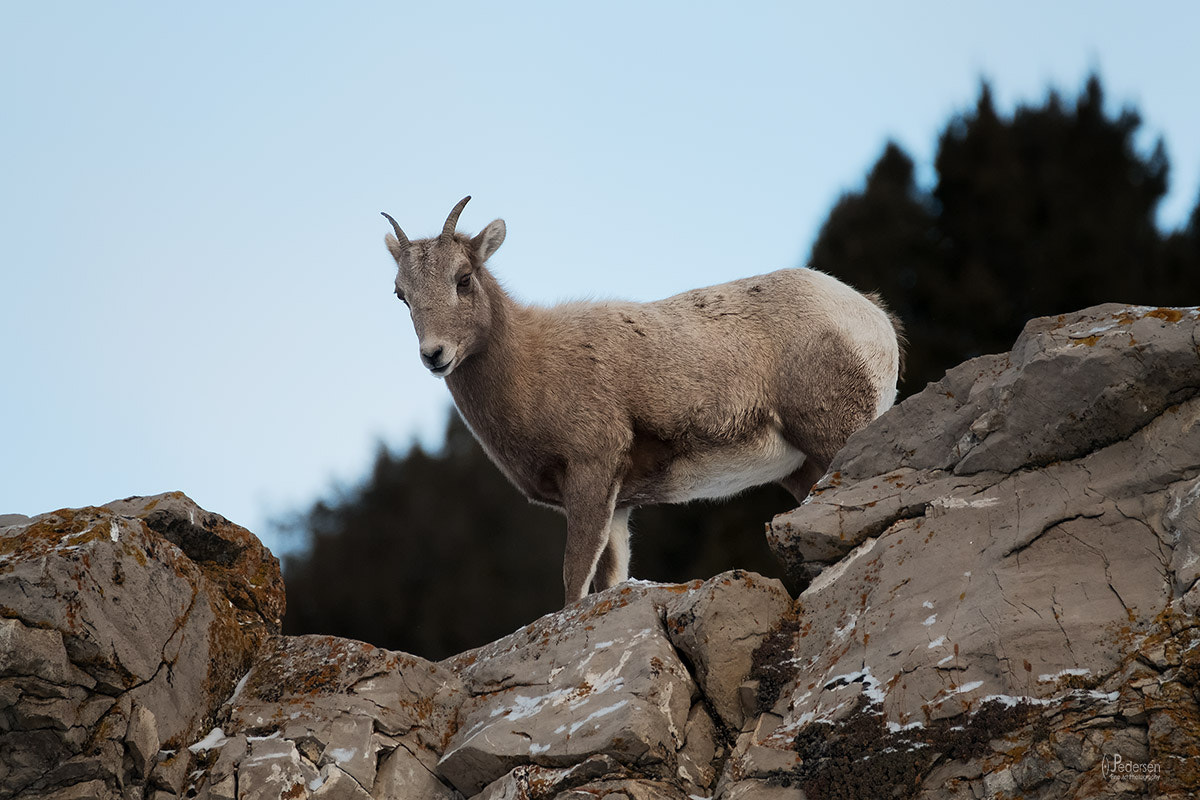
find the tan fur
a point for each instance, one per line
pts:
(596, 408)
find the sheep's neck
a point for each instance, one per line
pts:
(486, 387)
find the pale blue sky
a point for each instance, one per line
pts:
(195, 294)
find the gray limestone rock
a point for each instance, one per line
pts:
(701, 752)
(599, 677)
(273, 769)
(1018, 543)
(603, 679)
(718, 627)
(403, 774)
(531, 782)
(335, 784)
(117, 641)
(333, 709)
(141, 740)
(625, 789)
(759, 790)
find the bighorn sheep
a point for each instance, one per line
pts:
(596, 408)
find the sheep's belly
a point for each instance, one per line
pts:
(730, 469)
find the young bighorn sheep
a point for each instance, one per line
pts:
(596, 408)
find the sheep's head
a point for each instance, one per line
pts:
(445, 285)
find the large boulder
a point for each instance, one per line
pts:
(603, 678)
(324, 717)
(1005, 580)
(120, 637)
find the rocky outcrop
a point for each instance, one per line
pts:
(1000, 592)
(122, 630)
(142, 659)
(1005, 578)
(637, 676)
(323, 717)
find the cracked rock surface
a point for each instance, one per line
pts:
(611, 676)
(593, 701)
(1002, 580)
(141, 659)
(324, 717)
(117, 645)
(1005, 573)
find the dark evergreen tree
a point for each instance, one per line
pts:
(885, 239)
(433, 554)
(1047, 211)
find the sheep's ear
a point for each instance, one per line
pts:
(489, 239)
(394, 247)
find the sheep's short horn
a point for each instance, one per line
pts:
(396, 226)
(452, 220)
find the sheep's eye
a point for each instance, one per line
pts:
(464, 282)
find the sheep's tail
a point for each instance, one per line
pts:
(897, 327)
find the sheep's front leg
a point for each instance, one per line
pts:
(589, 507)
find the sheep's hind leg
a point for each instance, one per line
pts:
(801, 481)
(614, 561)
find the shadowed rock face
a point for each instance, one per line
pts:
(1001, 599)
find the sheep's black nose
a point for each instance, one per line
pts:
(432, 357)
